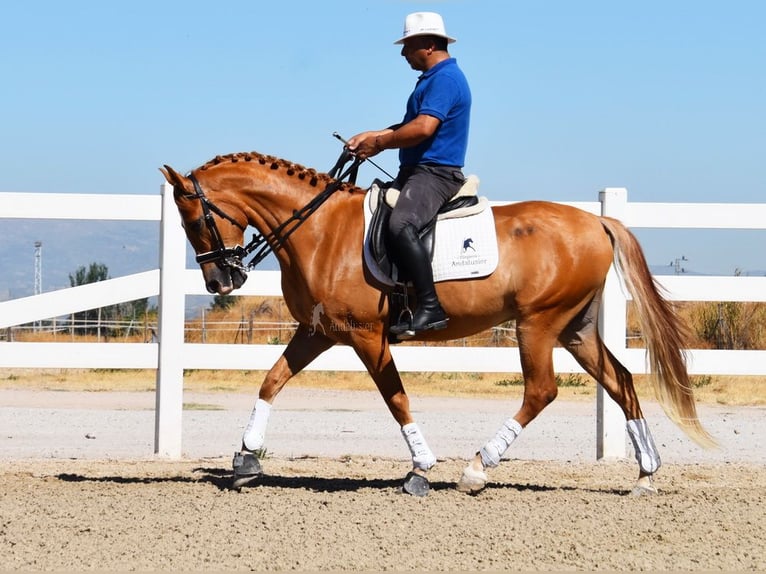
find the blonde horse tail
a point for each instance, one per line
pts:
(665, 334)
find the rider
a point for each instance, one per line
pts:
(432, 140)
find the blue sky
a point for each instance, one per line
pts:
(666, 98)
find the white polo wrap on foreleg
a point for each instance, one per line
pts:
(255, 432)
(646, 452)
(495, 448)
(422, 457)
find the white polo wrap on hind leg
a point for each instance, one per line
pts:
(495, 448)
(255, 432)
(646, 452)
(422, 457)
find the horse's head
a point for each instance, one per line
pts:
(215, 227)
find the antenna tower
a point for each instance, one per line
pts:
(38, 267)
(38, 274)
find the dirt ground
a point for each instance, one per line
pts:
(80, 489)
(348, 514)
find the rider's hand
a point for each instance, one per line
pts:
(364, 145)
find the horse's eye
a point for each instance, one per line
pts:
(194, 226)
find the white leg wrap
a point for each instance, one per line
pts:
(494, 449)
(255, 433)
(422, 457)
(646, 452)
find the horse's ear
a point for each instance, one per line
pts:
(175, 179)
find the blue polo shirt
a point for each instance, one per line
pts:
(441, 92)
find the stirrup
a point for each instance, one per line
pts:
(404, 331)
(403, 323)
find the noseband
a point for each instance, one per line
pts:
(263, 244)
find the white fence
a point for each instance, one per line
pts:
(172, 282)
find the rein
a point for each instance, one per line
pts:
(262, 245)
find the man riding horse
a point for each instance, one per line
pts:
(432, 140)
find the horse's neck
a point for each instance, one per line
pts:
(277, 202)
(276, 198)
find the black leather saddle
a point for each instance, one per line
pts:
(377, 237)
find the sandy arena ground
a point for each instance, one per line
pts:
(81, 490)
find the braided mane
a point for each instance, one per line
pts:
(314, 177)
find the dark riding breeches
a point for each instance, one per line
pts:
(424, 189)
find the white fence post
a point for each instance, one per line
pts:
(172, 299)
(610, 420)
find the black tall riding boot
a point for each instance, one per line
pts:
(413, 259)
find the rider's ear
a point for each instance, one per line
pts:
(175, 179)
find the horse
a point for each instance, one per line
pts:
(553, 263)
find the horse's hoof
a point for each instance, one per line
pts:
(415, 484)
(246, 469)
(644, 487)
(643, 491)
(472, 481)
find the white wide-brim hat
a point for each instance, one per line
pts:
(424, 24)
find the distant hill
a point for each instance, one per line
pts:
(124, 247)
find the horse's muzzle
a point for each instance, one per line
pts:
(222, 279)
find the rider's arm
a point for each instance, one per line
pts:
(410, 134)
(420, 128)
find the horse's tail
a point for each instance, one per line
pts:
(665, 334)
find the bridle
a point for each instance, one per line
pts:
(222, 255)
(262, 245)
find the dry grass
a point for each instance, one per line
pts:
(266, 320)
(725, 390)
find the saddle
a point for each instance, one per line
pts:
(382, 200)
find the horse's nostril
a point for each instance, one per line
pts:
(213, 286)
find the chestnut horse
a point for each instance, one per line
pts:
(553, 262)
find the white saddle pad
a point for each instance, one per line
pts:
(465, 247)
